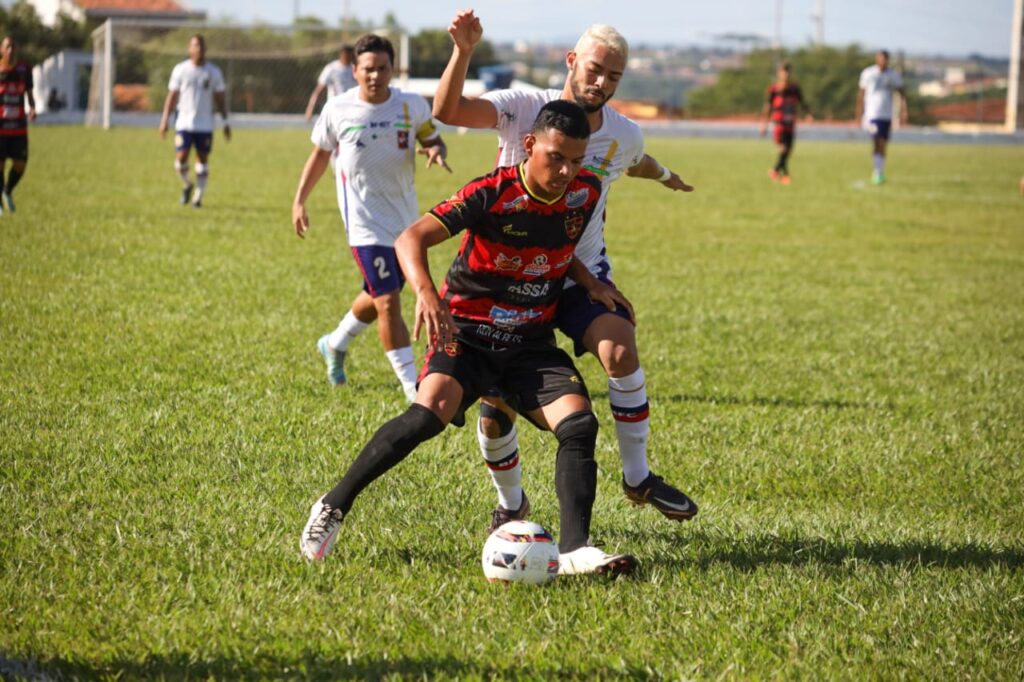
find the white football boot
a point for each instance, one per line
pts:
(321, 531)
(590, 559)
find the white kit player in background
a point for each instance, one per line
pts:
(195, 88)
(374, 129)
(874, 108)
(615, 149)
(336, 78)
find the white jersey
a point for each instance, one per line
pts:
(375, 166)
(337, 77)
(195, 86)
(612, 149)
(878, 87)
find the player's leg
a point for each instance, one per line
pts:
(204, 145)
(3, 166)
(499, 445)
(550, 391)
(880, 140)
(334, 346)
(447, 387)
(383, 280)
(18, 149)
(780, 161)
(611, 337)
(182, 147)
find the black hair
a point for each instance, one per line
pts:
(375, 43)
(785, 66)
(884, 53)
(566, 117)
(199, 37)
(347, 48)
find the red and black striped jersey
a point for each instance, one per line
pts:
(515, 253)
(14, 83)
(783, 100)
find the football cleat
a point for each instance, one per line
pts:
(877, 178)
(773, 174)
(9, 200)
(321, 531)
(785, 180)
(335, 360)
(500, 516)
(672, 503)
(590, 559)
(186, 194)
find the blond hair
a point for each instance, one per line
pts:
(603, 34)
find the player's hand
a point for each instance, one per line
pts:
(32, 114)
(764, 130)
(436, 154)
(611, 297)
(163, 129)
(432, 314)
(227, 132)
(676, 184)
(465, 30)
(300, 220)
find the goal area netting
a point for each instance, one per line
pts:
(269, 71)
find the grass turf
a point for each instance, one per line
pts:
(835, 373)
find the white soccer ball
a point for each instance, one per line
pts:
(520, 552)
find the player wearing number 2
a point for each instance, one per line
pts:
(374, 128)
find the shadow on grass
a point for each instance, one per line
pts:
(762, 401)
(753, 552)
(182, 666)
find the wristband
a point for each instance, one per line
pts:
(665, 175)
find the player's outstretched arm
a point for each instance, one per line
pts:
(311, 172)
(411, 248)
(436, 151)
(598, 290)
(169, 103)
(860, 107)
(311, 105)
(450, 106)
(31, 105)
(221, 100)
(904, 110)
(650, 169)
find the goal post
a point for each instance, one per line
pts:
(269, 71)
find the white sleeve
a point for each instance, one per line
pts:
(218, 80)
(324, 75)
(512, 105)
(636, 148)
(323, 136)
(864, 81)
(175, 82)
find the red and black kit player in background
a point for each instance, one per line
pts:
(781, 102)
(15, 88)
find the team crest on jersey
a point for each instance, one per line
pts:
(452, 349)
(577, 198)
(507, 319)
(509, 116)
(503, 262)
(206, 82)
(403, 139)
(516, 205)
(573, 225)
(538, 267)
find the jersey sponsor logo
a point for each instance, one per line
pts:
(577, 198)
(456, 205)
(452, 348)
(564, 263)
(510, 230)
(503, 262)
(485, 331)
(504, 318)
(539, 266)
(509, 116)
(516, 205)
(530, 290)
(206, 82)
(573, 226)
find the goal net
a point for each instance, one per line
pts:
(269, 71)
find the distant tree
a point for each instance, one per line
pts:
(36, 41)
(431, 48)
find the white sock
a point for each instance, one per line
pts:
(349, 328)
(879, 163)
(182, 170)
(404, 364)
(202, 175)
(502, 456)
(628, 398)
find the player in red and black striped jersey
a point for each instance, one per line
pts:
(781, 102)
(15, 89)
(492, 325)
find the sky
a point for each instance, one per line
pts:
(948, 27)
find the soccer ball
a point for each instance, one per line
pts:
(520, 552)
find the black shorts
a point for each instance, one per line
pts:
(14, 147)
(529, 376)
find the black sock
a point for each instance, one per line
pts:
(783, 160)
(576, 478)
(390, 445)
(12, 181)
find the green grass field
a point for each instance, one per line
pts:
(836, 374)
